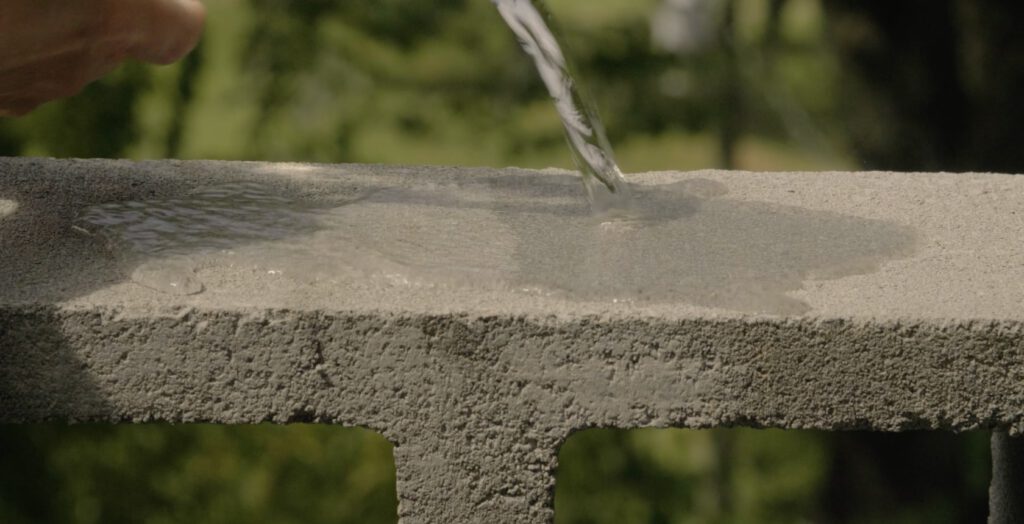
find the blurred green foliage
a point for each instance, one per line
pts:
(647, 476)
(157, 474)
(816, 84)
(440, 82)
(737, 476)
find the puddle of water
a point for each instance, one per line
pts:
(160, 242)
(218, 217)
(713, 252)
(677, 243)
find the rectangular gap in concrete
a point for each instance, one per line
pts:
(195, 473)
(748, 475)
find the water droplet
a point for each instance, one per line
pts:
(171, 276)
(7, 207)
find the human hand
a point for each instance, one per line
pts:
(51, 49)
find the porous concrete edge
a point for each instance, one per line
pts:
(477, 406)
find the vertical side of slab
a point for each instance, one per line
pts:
(1006, 494)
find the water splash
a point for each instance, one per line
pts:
(532, 25)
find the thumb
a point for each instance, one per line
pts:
(166, 30)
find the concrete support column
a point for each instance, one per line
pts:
(1006, 494)
(467, 483)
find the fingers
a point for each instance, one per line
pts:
(51, 49)
(24, 88)
(165, 30)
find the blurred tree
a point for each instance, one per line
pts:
(182, 98)
(730, 86)
(992, 67)
(906, 104)
(157, 474)
(912, 477)
(10, 142)
(932, 85)
(681, 476)
(282, 43)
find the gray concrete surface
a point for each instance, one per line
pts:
(478, 379)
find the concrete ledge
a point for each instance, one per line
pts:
(477, 382)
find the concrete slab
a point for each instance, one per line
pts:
(476, 317)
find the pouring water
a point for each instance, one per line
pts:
(530, 21)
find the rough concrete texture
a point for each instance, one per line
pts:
(478, 385)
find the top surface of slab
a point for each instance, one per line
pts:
(487, 241)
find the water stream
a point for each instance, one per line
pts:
(533, 26)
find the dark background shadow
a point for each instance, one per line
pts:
(609, 474)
